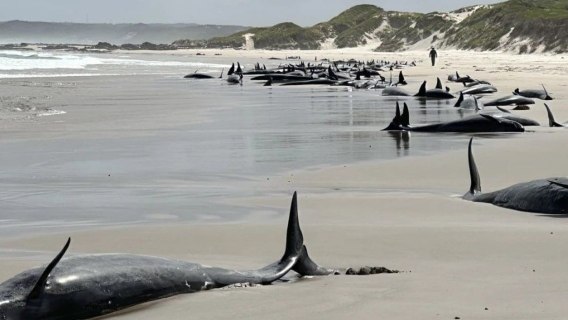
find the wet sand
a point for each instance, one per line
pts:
(458, 259)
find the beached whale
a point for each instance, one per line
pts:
(533, 93)
(506, 114)
(480, 89)
(510, 100)
(542, 196)
(87, 286)
(197, 75)
(395, 92)
(458, 78)
(437, 93)
(310, 82)
(475, 123)
(468, 102)
(476, 83)
(280, 77)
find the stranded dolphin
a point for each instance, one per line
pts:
(469, 102)
(437, 93)
(480, 88)
(475, 123)
(542, 196)
(531, 93)
(510, 100)
(87, 286)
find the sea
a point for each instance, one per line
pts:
(106, 139)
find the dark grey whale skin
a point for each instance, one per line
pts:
(549, 196)
(542, 196)
(472, 124)
(87, 286)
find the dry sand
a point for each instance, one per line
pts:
(458, 259)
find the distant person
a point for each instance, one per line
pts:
(433, 56)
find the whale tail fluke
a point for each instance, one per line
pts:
(551, 121)
(292, 252)
(475, 187)
(42, 281)
(401, 121)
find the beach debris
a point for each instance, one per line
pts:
(366, 270)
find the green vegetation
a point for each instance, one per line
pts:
(410, 29)
(536, 23)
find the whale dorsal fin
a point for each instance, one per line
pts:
(422, 91)
(475, 186)
(40, 284)
(401, 79)
(397, 113)
(548, 97)
(439, 84)
(460, 100)
(221, 76)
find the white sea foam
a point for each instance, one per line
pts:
(26, 60)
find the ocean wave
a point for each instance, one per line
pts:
(25, 60)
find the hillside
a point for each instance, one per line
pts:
(84, 33)
(522, 26)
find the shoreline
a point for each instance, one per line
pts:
(459, 258)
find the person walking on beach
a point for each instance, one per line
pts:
(433, 56)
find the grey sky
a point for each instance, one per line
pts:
(240, 12)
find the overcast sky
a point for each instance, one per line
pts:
(239, 12)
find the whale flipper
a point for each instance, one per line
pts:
(475, 187)
(559, 184)
(40, 284)
(503, 110)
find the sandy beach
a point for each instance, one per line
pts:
(457, 258)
